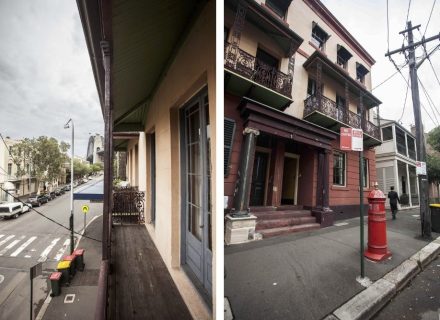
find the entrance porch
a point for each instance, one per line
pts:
(283, 176)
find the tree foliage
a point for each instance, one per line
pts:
(45, 156)
(434, 138)
(433, 167)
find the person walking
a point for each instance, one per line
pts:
(394, 198)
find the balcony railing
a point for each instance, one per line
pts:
(250, 67)
(128, 205)
(341, 114)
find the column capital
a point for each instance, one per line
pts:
(248, 130)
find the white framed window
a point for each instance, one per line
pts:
(339, 168)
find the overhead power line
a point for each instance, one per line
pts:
(429, 19)
(46, 217)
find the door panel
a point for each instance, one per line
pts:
(258, 185)
(197, 215)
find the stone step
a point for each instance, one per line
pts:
(282, 214)
(267, 233)
(289, 207)
(262, 209)
(277, 223)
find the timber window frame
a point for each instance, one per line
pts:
(387, 133)
(339, 168)
(319, 37)
(279, 7)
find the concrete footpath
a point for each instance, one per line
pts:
(313, 275)
(84, 285)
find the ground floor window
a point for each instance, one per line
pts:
(338, 168)
(365, 177)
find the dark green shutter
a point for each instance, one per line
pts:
(228, 141)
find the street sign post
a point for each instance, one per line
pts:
(352, 139)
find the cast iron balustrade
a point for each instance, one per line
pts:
(128, 205)
(250, 67)
(332, 110)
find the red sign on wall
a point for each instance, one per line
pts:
(351, 139)
(345, 141)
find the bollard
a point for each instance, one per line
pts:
(377, 227)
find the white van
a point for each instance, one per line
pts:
(9, 210)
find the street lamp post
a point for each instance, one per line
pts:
(67, 126)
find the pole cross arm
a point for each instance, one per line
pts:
(412, 46)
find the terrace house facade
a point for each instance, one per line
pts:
(396, 163)
(293, 77)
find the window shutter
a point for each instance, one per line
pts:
(228, 141)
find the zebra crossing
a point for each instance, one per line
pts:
(41, 248)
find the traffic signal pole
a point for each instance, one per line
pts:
(425, 215)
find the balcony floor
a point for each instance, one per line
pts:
(140, 285)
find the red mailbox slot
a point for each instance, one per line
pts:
(377, 226)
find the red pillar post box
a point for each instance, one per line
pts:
(377, 226)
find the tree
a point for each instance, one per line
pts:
(80, 169)
(434, 139)
(44, 155)
(96, 167)
(433, 167)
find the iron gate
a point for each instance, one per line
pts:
(128, 205)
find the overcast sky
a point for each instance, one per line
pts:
(367, 22)
(45, 73)
(46, 76)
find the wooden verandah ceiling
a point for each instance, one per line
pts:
(144, 37)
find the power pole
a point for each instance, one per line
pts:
(425, 215)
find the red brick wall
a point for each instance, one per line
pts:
(349, 195)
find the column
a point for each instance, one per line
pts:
(408, 184)
(322, 211)
(241, 199)
(108, 153)
(142, 162)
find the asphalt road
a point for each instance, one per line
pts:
(30, 239)
(420, 300)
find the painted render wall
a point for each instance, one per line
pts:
(192, 69)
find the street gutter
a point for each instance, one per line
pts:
(367, 303)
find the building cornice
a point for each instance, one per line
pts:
(322, 12)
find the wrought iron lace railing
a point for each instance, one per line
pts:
(253, 69)
(128, 205)
(340, 113)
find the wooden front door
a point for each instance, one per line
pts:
(259, 174)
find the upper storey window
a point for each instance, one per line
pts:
(361, 71)
(319, 36)
(343, 57)
(279, 7)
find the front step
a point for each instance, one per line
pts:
(281, 214)
(273, 221)
(267, 233)
(289, 207)
(285, 222)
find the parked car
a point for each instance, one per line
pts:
(57, 192)
(66, 187)
(27, 207)
(38, 200)
(52, 195)
(11, 210)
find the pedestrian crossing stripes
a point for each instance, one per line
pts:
(40, 248)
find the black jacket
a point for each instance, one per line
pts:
(394, 197)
